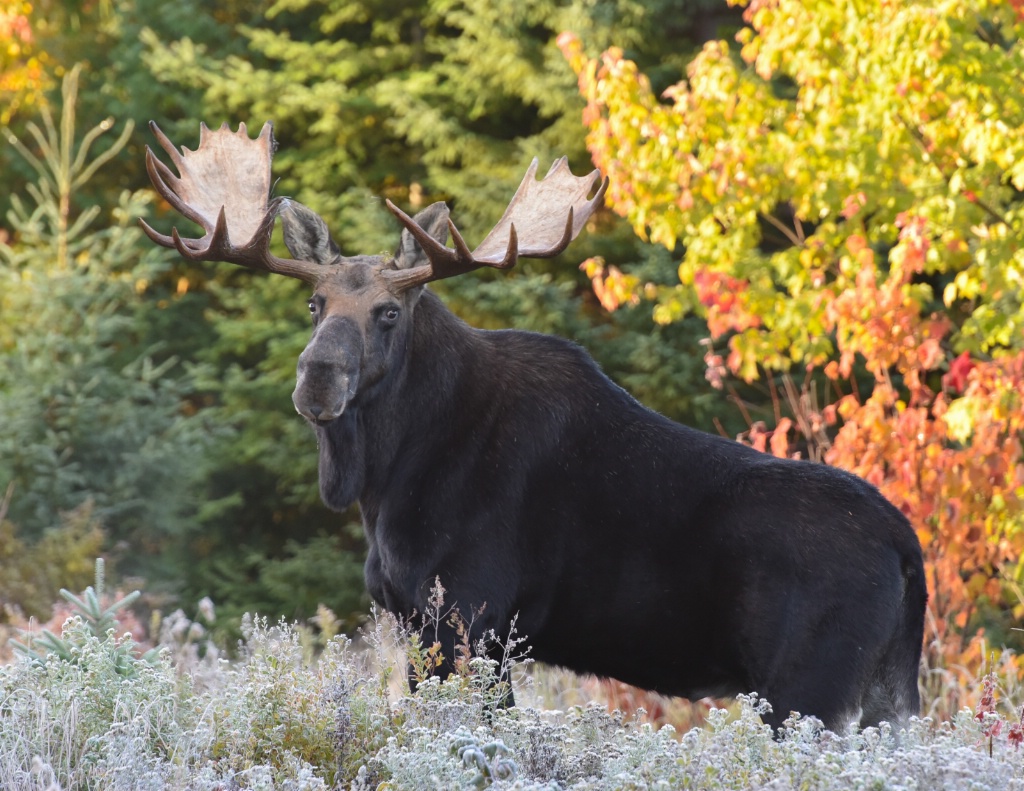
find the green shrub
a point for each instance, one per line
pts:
(33, 571)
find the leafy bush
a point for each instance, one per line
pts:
(862, 234)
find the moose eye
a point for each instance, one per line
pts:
(312, 307)
(389, 315)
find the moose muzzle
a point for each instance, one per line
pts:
(328, 371)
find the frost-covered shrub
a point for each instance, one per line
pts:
(278, 717)
(70, 718)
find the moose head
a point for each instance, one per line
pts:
(362, 306)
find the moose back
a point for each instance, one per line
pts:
(506, 464)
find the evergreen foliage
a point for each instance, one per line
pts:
(167, 386)
(91, 412)
(427, 101)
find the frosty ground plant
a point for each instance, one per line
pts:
(279, 717)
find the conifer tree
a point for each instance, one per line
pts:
(91, 413)
(424, 101)
(427, 100)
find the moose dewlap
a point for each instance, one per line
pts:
(506, 464)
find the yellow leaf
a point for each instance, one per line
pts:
(959, 420)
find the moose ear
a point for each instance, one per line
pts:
(433, 220)
(306, 235)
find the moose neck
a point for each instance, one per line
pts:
(359, 450)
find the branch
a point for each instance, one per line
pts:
(797, 240)
(919, 138)
(6, 502)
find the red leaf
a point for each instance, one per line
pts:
(959, 369)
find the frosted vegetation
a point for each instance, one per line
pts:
(301, 708)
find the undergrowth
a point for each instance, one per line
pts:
(304, 708)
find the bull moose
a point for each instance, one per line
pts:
(508, 465)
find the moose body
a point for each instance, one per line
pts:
(631, 547)
(506, 464)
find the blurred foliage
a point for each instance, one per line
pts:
(89, 413)
(34, 572)
(846, 186)
(157, 391)
(22, 76)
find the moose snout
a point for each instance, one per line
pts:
(322, 392)
(326, 379)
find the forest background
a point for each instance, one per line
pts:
(812, 243)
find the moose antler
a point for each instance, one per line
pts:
(531, 227)
(224, 186)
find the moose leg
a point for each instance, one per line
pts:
(448, 647)
(892, 695)
(503, 682)
(826, 681)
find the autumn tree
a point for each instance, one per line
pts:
(22, 76)
(844, 188)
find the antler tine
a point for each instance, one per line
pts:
(167, 145)
(160, 175)
(154, 235)
(535, 207)
(224, 187)
(438, 254)
(444, 261)
(217, 246)
(461, 247)
(192, 248)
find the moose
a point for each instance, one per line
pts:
(506, 464)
